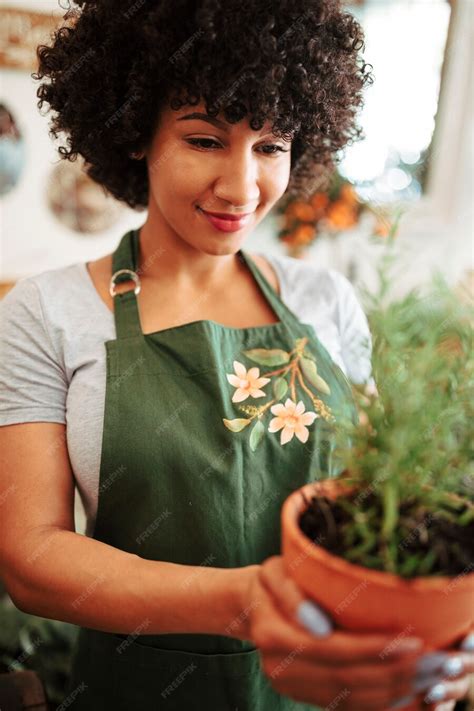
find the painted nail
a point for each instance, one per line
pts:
(430, 663)
(453, 667)
(435, 694)
(402, 702)
(468, 643)
(314, 619)
(426, 682)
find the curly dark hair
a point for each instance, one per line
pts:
(112, 66)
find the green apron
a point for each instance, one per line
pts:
(202, 443)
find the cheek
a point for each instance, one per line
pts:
(176, 176)
(277, 178)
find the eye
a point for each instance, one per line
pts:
(200, 141)
(278, 148)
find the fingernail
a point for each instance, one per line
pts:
(426, 682)
(314, 619)
(453, 667)
(402, 702)
(468, 643)
(435, 694)
(430, 663)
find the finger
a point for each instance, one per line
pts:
(285, 591)
(395, 678)
(275, 632)
(447, 691)
(448, 706)
(291, 600)
(458, 664)
(294, 673)
(468, 642)
(438, 666)
(340, 647)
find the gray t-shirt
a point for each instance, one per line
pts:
(52, 355)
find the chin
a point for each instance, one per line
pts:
(220, 249)
(220, 244)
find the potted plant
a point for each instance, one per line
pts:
(388, 546)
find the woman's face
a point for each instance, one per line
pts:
(197, 165)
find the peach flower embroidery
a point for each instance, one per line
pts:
(288, 371)
(291, 419)
(247, 382)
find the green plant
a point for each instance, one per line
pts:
(412, 463)
(39, 644)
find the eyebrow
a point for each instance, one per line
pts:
(212, 120)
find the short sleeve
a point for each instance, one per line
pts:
(33, 385)
(354, 332)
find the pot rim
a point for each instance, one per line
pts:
(295, 504)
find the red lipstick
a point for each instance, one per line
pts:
(226, 222)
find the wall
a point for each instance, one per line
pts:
(436, 234)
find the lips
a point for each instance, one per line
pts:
(226, 215)
(225, 222)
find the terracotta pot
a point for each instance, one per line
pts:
(439, 610)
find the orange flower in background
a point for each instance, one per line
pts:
(303, 234)
(319, 203)
(341, 216)
(348, 194)
(301, 211)
(300, 236)
(303, 221)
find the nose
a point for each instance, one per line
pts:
(238, 181)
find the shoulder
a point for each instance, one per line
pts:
(44, 281)
(301, 280)
(45, 292)
(52, 311)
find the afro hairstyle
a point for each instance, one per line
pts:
(112, 66)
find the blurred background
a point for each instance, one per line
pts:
(414, 166)
(416, 158)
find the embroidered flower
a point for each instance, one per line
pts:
(247, 382)
(291, 420)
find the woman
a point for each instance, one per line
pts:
(145, 375)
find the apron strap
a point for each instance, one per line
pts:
(124, 264)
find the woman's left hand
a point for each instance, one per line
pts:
(446, 674)
(452, 675)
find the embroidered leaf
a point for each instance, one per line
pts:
(256, 435)
(322, 385)
(311, 373)
(309, 369)
(280, 386)
(268, 356)
(309, 355)
(236, 425)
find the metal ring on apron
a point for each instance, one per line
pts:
(133, 275)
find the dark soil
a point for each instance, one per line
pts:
(426, 543)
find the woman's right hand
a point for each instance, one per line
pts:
(346, 671)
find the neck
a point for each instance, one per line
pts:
(164, 256)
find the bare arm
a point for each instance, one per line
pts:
(52, 571)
